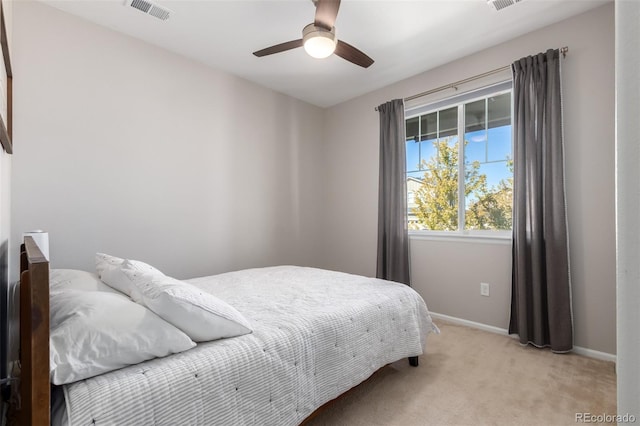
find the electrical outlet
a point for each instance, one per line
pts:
(484, 289)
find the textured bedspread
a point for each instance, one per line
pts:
(316, 334)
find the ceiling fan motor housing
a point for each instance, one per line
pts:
(319, 42)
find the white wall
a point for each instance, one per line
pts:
(457, 293)
(628, 203)
(5, 224)
(125, 148)
(449, 286)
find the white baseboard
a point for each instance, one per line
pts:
(579, 350)
(595, 354)
(472, 324)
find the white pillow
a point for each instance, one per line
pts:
(109, 270)
(94, 332)
(72, 279)
(201, 315)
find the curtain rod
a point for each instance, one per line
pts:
(563, 50)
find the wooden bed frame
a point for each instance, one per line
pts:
(35, 387)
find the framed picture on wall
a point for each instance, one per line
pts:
(6, 112)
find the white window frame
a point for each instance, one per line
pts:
(485, 235)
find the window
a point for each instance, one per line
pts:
(477, 128)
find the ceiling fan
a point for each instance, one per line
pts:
(319, 38)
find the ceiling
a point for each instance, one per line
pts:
(404, 37)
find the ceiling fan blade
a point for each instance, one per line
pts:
(326, 13)
(351, 54)
(282, 47)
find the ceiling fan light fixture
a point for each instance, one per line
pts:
(319, 42)
(319, 38)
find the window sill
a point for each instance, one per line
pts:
(486, 238)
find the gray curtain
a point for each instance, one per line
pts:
(393, 239)
(541, 289)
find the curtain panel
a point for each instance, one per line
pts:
(541, 312)
(393, 238)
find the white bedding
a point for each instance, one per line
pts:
(316, 334)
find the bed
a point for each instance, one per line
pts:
(316, 334)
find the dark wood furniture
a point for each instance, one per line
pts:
(35, 388)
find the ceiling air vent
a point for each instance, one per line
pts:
(150, 8)
(501, 4)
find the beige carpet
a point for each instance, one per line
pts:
(472, 377)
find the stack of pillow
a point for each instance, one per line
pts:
(127, 313)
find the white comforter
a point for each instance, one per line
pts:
(316, 334)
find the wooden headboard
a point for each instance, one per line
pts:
(35, 388)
